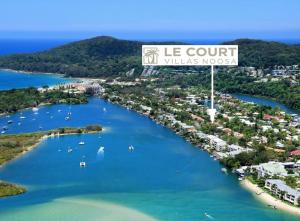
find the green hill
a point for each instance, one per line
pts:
(100, 56)
(106, 56)
(258, 53)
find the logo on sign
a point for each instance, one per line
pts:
(150, 55)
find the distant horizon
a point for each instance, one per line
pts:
(146, 39)
(10, 46)
(141, 37)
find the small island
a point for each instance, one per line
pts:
(8, 189)
(14, 145)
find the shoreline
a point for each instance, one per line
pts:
(268, 199)
(258, 192)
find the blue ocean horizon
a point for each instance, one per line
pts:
(19, 46)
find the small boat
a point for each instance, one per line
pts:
(10, 122)
(82, 164)
(67, 118)
(58, 110)
(100, 150)
(22, 117)
(240, 179)
(5, 128)
(70, 150)
(131, 148)
(208, 216)
(35, 109)
(69, 113)
(104, 109)
(3, 132)
(224, 170)
(19, 123)
(81, 143)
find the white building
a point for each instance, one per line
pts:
(271, 169)
(280, 189)
(217, 143)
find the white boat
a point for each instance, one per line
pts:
(70, 150)
(208, 216)
(81, 143)
(100, 150)
(3, 132)
(35, 109)
(131, 148)
(224, 170)
(22, 117)
(104, 109)
(19, 123)
(67, 118)
(82, 164)
(58, 110)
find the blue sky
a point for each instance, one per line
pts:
(152, 19)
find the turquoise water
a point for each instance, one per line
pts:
(165, 178)
(11, 79)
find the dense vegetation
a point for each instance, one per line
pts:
(107, 56)
(16, 99)
(7, 189)
(102, 56)
(257, 53)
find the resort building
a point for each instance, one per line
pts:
(217, 143)
(271, 169)
(283, 191)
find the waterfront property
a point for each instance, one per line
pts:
(271, 169)
(280, 189)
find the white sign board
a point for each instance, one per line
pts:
(189, 55)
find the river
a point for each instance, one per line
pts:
(164, 178)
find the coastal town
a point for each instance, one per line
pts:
(258, 143)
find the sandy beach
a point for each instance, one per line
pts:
(268, 199)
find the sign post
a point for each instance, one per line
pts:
(212, 111)
(192, 55)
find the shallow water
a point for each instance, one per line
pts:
(165, 178)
